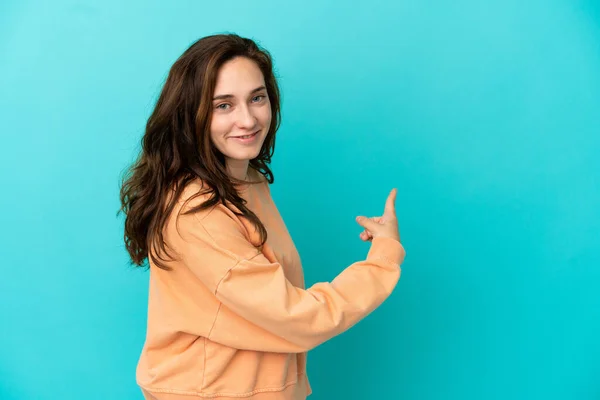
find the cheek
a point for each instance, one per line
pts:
(218, 127)
(266, 116)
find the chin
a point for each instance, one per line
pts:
(248, 155)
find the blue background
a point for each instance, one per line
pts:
(485, 116)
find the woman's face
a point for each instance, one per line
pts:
(240, 107)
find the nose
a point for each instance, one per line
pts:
(245, 118)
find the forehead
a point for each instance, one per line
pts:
(238, 76)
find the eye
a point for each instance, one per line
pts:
(220, 106)
(260, 95)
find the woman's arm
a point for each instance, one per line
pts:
(260, 309)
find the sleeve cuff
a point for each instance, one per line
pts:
(387, 248)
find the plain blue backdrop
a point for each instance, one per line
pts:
(484, 114)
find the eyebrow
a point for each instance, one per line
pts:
(228, 96)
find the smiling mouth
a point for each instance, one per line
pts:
(247, 136)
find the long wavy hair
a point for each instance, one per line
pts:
(176, 147)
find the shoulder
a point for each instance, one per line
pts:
(194, 194)
(217, 224)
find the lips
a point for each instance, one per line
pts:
(246, 135)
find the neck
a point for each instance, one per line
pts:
(239, 170)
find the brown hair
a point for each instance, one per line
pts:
(176, 147)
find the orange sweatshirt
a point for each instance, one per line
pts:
(232, 320)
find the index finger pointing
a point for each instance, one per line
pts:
(390, 207)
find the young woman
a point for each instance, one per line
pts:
(228, 312)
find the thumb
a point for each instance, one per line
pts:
(367, 223)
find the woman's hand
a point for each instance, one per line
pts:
(385, 225)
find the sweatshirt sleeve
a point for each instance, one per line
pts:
(260, 309)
